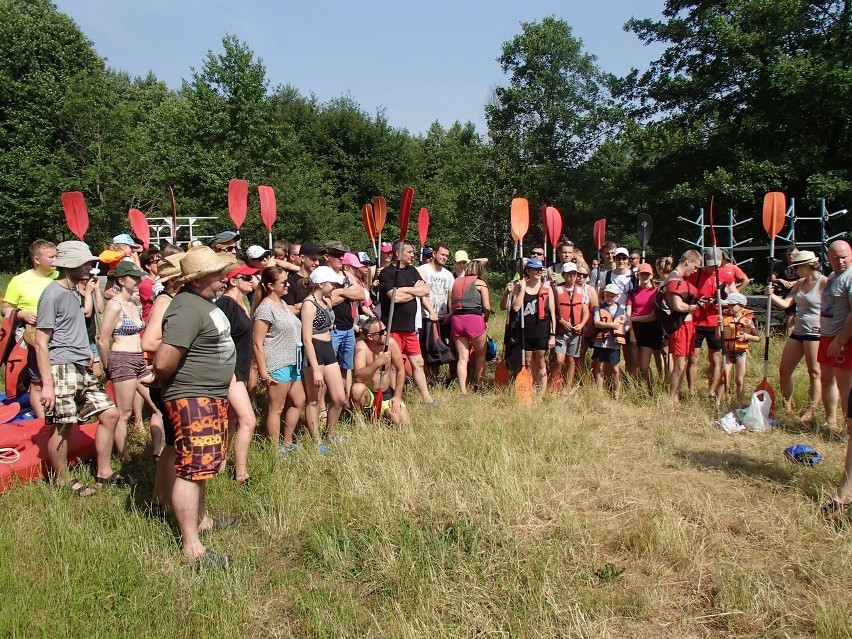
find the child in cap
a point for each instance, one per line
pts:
(612, 326)
(738, 329)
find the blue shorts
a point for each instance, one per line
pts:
(343, 343)
(287, 374)
(606, 355)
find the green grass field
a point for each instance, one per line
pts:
(577, 517)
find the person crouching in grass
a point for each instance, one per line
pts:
(370, 357)
(611, 334)
(738, 329)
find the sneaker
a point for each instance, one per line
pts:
(286, 450)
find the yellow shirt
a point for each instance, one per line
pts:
(25, 289)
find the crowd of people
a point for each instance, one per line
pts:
(327, 331)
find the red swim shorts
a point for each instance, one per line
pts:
(682, 341)
(843, 360)
(408, 342)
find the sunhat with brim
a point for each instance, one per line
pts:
(168, 268)
(72, 254)
(201, 261)
(644, 267)
(241, 268)
(323, 274)
(461, 256)
(736, 298)
(801, 258)
(336, 248)
(127, 269)
(350, 259)
(612, 288)
(124, 238)
(256, 252)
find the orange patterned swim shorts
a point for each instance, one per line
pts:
(201, 433)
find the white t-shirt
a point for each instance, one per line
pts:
(440, 284)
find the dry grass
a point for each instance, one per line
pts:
(578, 517)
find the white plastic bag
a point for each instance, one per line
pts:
(756, 417)
(730, 423)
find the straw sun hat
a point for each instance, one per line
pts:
(203, 260)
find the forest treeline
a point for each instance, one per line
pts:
(747, 97)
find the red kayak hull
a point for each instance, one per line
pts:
(16, 363)
(29, 439)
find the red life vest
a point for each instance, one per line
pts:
(563, 301)
(465, 296)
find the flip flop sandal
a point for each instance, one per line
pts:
(833, 510)
(219, 524)
(79, 490)
(115, 480)
(210, 560)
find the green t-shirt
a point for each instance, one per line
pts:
(193, 323)
(25, 289)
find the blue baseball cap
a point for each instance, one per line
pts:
(534, 262)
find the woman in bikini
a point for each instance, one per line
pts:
(122, 358)
(321, 367)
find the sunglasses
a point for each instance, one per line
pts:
(582, 274)
(537, 253)
(247, 278)
(378, 332)
(226, 249)
(621, 257)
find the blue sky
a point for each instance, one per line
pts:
(419, 61)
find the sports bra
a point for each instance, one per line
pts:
(324, 318)
(127, 327)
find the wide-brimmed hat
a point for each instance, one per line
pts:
(168, 268)
(323, 274)
(203, 260)
(126, 268)
(124, 238)
(72, 254)
(803, 257)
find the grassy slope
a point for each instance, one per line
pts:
(577, 517)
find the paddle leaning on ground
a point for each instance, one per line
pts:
(523, 380)
(774, 212)
(404, 216)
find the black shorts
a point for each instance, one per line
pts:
(733, 356)
(324, 352)
(648, 335)
(168, 427)
(708, 333)
(536, 344)
(804, 337)
(606, 355)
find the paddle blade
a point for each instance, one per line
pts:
(520, 217)
(423, 225)
(644, 228)
(774, 210)
(377, 405)
(76, 213)
(405, 211)
(501, 374)
(599, 233)
(238, 201)
(139, 224)
(524, 387)
(268, 208)
(174, 214)
(369, 221)
(766, 386)
(553, 222)
(515, 237)
(380, 213)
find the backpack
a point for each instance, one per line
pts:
(668, 319)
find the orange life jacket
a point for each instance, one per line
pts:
(733, 329)
(564, 301)
(606, 316)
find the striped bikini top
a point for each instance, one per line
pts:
(127, 327)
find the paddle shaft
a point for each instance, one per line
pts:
(719, 320)
(768, 309)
